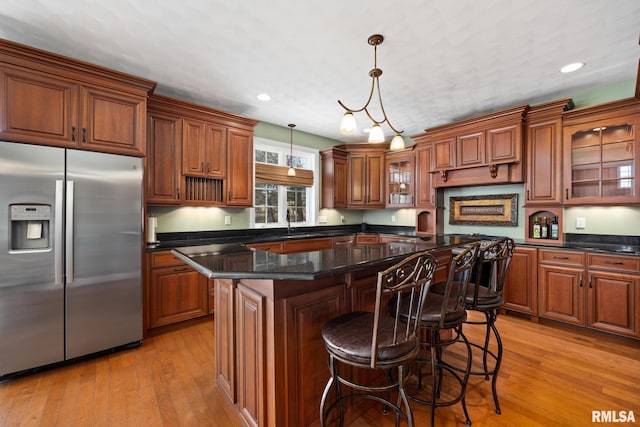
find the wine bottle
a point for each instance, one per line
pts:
(536, 228)
(544, 229)
(554, 228)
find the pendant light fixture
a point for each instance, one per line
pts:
(291, 171)
(348, 124)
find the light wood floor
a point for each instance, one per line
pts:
(551, 376)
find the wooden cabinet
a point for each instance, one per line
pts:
(400, 178)
(481, 150)
(599, 291)
(225, 336)
(543, 184)
(204, 148)
(54, 100)
(163, 158)
(250, 342)
(613, 293)
(561, 278)
(240, 168)
(208, 153)
(520, 291)
(425, 194)
(365, 176)
(176, 291)
(601, 158)
(334, 178)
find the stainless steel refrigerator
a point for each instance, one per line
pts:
(70, 254)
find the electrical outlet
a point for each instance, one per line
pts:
(227, 220)
(581, 223)
(393, 218)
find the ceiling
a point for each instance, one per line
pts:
(443, 60)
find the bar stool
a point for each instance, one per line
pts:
(443, 312)
(378, 340)
(485, 295)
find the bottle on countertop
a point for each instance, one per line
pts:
(536, 228)
(544, 229)
(554, 228)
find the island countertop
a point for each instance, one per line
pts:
(237, 261)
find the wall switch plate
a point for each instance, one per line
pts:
(581, 223)
(322, 219)
(227, 220)
(393, 218)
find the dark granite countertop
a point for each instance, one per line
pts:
(224, 254)
(236, 261)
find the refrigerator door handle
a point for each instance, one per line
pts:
(69, 234)
(58, 251)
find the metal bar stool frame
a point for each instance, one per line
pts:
(379, 340)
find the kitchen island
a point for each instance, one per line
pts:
(270, 309)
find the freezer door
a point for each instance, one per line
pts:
(104, 252)
(31, 303)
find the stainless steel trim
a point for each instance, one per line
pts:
(69, 233)
(57, 242)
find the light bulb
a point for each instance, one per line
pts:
(291, 172)
(348, 124)
(397, 143)
(376, 134)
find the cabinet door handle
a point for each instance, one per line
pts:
(560, 257)
(580, 280)
(528, 198)
(178, 193)
(84, 135)
(590, 280)
(182, 269)
(566, 193)
(614, 262)
(73, 134)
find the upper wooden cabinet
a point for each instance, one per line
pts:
(200, 156)
(163, 157)
(425, 194)
(482, 150)
(601, 160)
(54, 100)
(400, 178)
(204, 147)
(543, 184)
(240, 167)
(366, 176)
(334, 178)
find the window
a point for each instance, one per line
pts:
(276, 203)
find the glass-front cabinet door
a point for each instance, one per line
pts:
(400, 179)
(601, 162)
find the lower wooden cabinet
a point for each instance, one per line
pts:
(521, 285)
(176, 292)
(599, 291)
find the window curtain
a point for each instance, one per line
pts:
(274, 174)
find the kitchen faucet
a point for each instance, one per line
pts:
(288, 222)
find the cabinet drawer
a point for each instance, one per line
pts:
(164, 259)
(367, 238)
(613, 262)
(554, 256)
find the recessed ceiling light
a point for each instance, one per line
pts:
(569, 68)
(264, 97)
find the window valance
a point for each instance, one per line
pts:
(274, 174)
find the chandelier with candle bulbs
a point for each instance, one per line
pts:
(348, 124)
